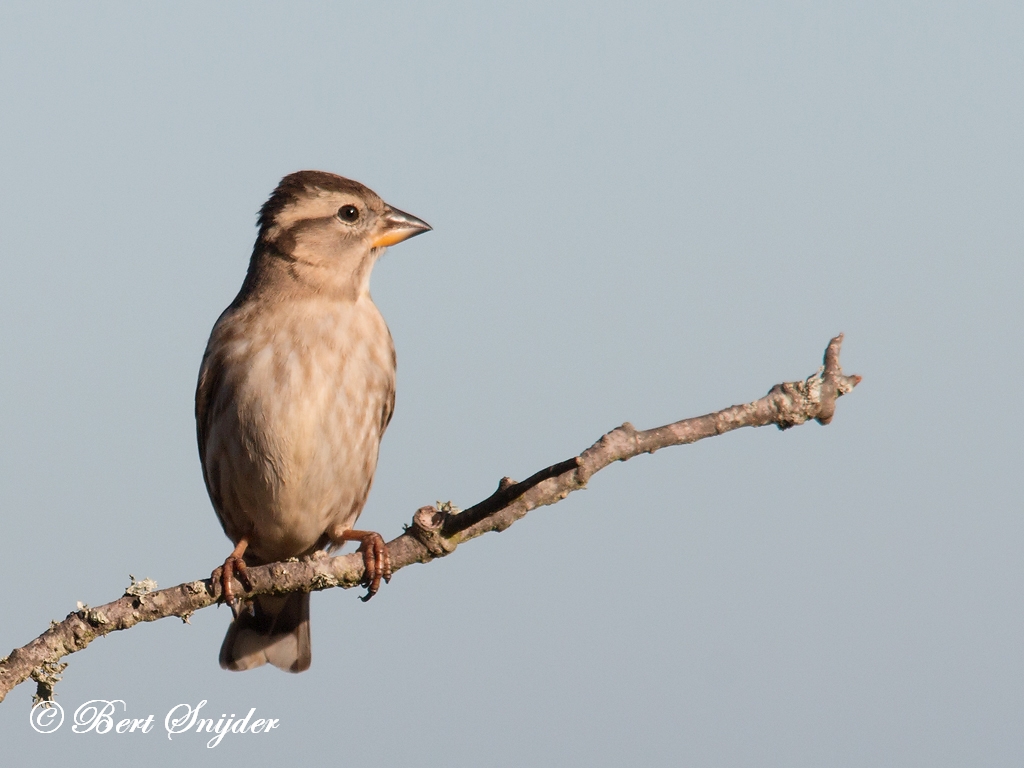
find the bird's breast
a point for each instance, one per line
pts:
(300, 420)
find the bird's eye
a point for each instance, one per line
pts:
(348, 213)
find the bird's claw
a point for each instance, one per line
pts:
(234, 567)
(376, 564)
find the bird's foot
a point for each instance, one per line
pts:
(376, 563)
(376, 559)
(234, 567)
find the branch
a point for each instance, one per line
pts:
(435, 531)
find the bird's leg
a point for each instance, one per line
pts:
(233, 566)
(376, 559)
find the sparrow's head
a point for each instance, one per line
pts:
(331, 229)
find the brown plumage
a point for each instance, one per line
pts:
(295, 391)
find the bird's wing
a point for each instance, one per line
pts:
(211, 380)
(388, 410)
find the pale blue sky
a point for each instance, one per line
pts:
(640, 213)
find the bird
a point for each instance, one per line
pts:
(295, 390)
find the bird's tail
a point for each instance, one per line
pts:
(274, 629)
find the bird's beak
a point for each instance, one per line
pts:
(397, 226)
